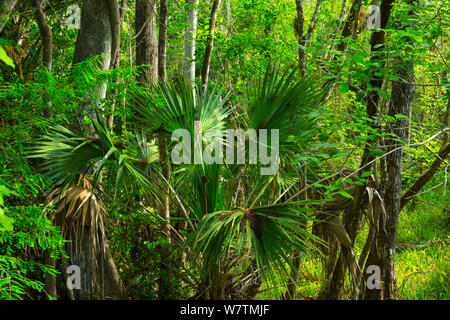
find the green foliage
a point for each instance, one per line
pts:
(226, 219)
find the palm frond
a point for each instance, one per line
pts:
(79, 210)
(268, 233)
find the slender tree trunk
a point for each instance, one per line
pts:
(426, 177)
(162, 56)
(292, 285)
(162, 139)
(46, 35)
(312, 24)
(350, 24)
(300, 37)
(116, 16)
(228, 17)
(383, 249)
(115, 22)
(50, 280)
(209, 42)
(189, 44)
(146, 40)
(353, 215)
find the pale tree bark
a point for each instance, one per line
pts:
(6, 7)
(115, 22)
(146, 40)
(227, 13)
(94, 38)
(189, 42)
(209, 42)
(337, 30)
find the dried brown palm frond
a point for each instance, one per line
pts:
(79, 212)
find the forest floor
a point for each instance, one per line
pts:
(422, 258)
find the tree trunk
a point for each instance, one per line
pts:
(292, 285)
(209, 42)
(351, 24)
(47, 58)
(116, 15)
(50, 280)
(312, 24)
(146, 40)
(300, 37)
(98, 35)
(94, 38)
(353, 215)
(383, 249)
(426, 177)
(162, 56)
(189, 44)
(46, 35)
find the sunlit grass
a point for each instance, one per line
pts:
(422, 260)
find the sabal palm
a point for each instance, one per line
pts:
(222, 226)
